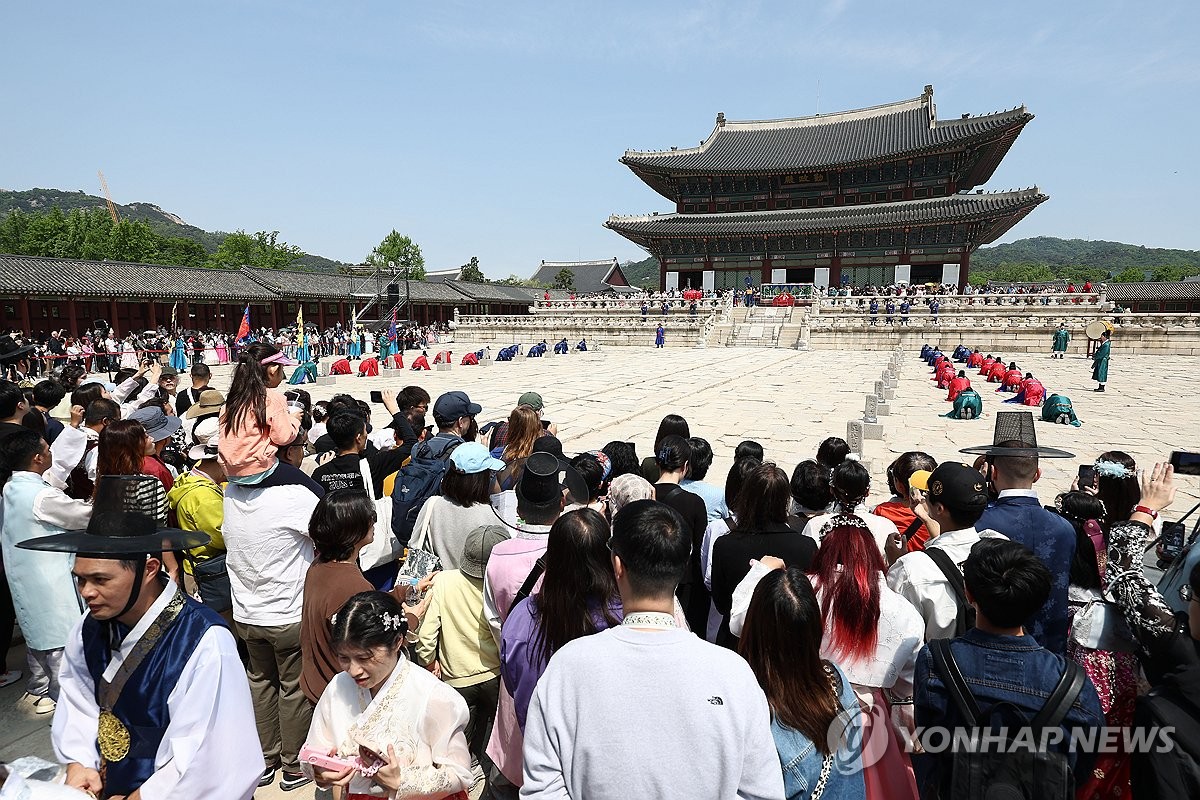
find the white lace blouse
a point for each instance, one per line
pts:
(421, 717)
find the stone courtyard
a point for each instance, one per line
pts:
(785, 399)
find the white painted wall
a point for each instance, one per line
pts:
(779, 276)
(821, 277)
(708, 280)
(903, 273)
(672, 280)
(950, 273)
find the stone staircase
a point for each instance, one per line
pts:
(758, 327)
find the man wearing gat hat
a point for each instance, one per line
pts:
(153, 698)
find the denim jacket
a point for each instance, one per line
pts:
(801, 761)
(1015, 669)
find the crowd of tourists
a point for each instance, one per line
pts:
(103, 350)
(450, 605)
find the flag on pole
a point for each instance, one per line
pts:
(392, 333)
(299, 325)
(244, 328)
(175, 306)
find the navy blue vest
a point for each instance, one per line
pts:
(142, 706)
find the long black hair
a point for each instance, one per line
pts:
(1079, 508)
(248, 388)
(578, 585)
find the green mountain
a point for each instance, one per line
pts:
(1112, 256)
(162, 222)
(1039, 258)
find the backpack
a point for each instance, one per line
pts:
(416, 482)
(1003, 771)
(966, 611)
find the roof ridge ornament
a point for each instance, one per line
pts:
(720, 119)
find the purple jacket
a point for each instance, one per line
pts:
(520, 667)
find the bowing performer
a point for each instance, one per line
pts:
(957, 385)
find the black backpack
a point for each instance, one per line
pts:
(966, 611)
(416, 482)
(1003, 771)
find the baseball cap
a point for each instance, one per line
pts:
(478, 548)
(531, 399)
(473, 457)
(453, 405)
(957, 486)
(156, 422)
(920, 480)
(168, 372)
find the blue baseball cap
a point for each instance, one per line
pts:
(472, 457)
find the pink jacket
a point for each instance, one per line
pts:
(249, 450)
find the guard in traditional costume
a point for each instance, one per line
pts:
(975, 360)
(874, 311)
(443, 357)
(305, 373)
(986, 365)
(154, 698)
(562, 348)
(957, 385)
(961, 353)
(1100, 361)
(340, 367)
(582, 346)
(368, 367)
(1030, 393)
(660, 337)
(470, 360)
(1011, 381)
(1058, 349)
(967, 405)
(1058, 408)
(997, 372)
(421, 361)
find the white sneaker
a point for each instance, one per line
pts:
(9, 678)
(44, 705)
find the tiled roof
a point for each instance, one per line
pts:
(490, 292)
(119, 279)
(288, 283)
(828, 140)
(425, 292)
(965, 207)
(442, 275)
(1151, 290)
(589, 276)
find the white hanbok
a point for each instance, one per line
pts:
(423, 719)
(210, 748)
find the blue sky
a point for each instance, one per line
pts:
(494, 129)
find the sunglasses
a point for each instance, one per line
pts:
(1187, 594)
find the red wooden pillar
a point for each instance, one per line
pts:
(835, 271)
(765, 273)
(73, 317)
(321, 314)
(181, 318)
(964, 266)
(151, 316)
(112, 316)
(274, 314)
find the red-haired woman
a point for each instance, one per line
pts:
(873, 634)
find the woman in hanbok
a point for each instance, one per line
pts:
(354, 347)
(179, 359)
(129, 359)
(210, 351)
(222, 350)
(89, 354)
(400, 730)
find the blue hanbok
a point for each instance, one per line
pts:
(179, 358)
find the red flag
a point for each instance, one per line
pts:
(244, 328)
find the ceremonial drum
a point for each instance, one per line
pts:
(1096, 328)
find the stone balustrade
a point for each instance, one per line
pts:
(626, 306)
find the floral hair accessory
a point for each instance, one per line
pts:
(852, 457)
(392, 622)
(1111, 469)
(843, 521)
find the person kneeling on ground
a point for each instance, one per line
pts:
(1058, 408)
(967, 405)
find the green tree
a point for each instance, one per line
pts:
(1131, 275)
(565, 280)
(132, 241)
(471, 272)
(12, 232)
(1168, 274)
(401, 251)
(182, 251)
(262, 250)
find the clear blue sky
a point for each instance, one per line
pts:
(494, 128)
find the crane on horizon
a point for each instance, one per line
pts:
(112, 209)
